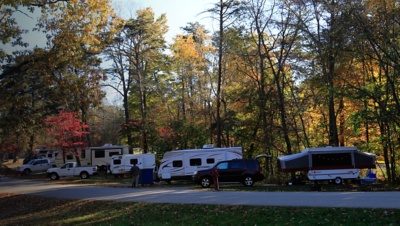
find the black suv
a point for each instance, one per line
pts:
(245, 171)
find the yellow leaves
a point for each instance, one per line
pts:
(185, 48)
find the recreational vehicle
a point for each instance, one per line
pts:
(121, 164)
(328, 163)
(181, 164)
(50, 154)
(101, 156)
(94, 156)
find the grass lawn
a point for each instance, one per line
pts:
(18, 209)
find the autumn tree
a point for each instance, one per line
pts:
(225, 12)
(136, 56)
(69, 133)
(191, 96)
(65, 74)
(377, 28)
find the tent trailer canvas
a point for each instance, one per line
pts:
(328, 163)
(181, 164)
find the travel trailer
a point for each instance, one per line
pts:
(94, 156)
(121, 164)
(50, 154)
(328, 163)
(181, 164)
(101, 156)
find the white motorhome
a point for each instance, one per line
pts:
(121, 164)
(94, 156)
(328, 163)
(181, 164)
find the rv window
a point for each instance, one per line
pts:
(195, 162)
(134, 161)
(83, 154)
(113, 153)
(117, 161)
(326, 160)
(210, 161)
(49, 156)
(177, 163)
(99, 154)
(70, 157)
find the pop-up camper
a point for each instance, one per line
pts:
(181, 164)
(328, 163)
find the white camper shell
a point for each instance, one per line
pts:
(328, 163)
(181, 164)
(121, 164)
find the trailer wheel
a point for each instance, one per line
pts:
(248, 181)
(338, 180)
(205, 182)
(84, 175)
(54, 176)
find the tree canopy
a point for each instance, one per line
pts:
(274, 77)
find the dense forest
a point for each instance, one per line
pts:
(276, 77)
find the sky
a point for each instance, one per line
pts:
(179, 12)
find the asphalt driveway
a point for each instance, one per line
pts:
(188, 195)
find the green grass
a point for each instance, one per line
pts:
(34, 210)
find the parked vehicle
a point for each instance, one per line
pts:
(245, 171)
(35, 165)
(328, 163)
(50, 154)
(181, 164)
(94, 156)
(70, 169)
(121, 164)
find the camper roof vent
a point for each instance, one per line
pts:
(208, 146)
(108, 145)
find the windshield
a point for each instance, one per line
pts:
(30, 162)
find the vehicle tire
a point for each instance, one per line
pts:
(54, 176)
(248, 181)
(338, 180)
(27, 172)
(205, 182)
(84, 175)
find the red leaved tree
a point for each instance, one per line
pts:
(69, 133)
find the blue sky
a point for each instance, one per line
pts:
(179, 12)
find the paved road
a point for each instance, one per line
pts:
(187, 195)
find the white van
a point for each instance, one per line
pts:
(181, 164)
